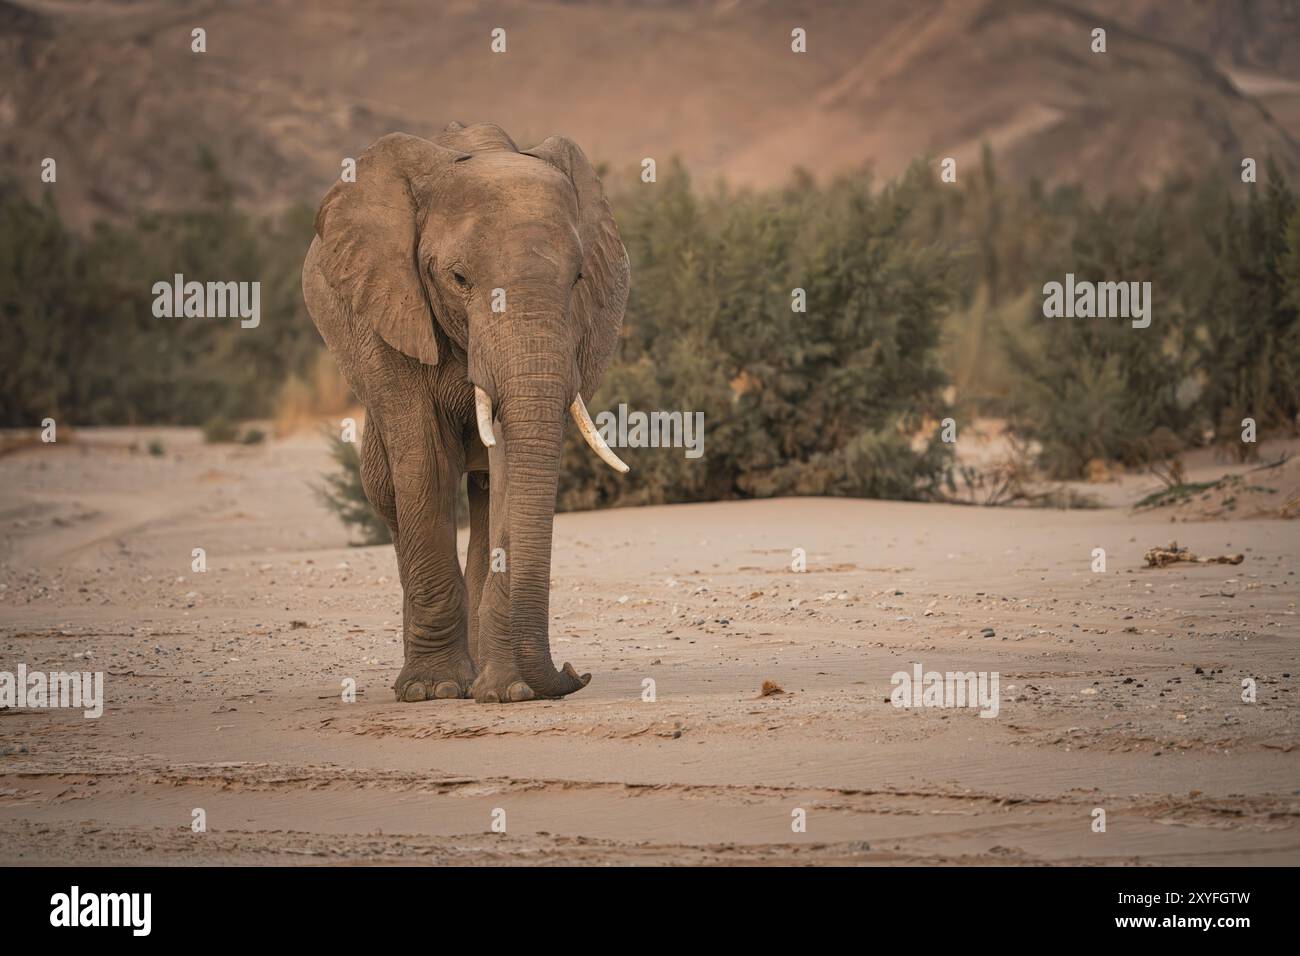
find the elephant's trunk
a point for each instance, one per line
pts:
(534, 399)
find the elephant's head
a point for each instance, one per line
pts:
(512, 260)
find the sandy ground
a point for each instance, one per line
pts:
(1119, 691)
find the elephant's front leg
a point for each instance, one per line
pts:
(426, 478)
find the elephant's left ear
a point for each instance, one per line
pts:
(600, 297)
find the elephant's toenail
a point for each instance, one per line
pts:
(491, 698)
(414, 691)
(446, 690)
(519, 691)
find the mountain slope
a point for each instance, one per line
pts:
(287, 90)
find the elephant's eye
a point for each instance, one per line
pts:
(460, 279)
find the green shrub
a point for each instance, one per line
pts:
(219, 430)
(909, 287)
(78, 332)
(1243, 282)
(343, 494)
(818, 402)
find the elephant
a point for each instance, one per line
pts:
(472, 293)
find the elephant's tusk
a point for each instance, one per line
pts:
(483, 410)
(579, 411)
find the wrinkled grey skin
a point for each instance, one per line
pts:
(399, 280)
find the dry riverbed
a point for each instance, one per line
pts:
(1119, 691)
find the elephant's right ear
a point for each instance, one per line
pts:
(368, 238)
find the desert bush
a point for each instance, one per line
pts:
(818, 402)
(1223, 344)
(1243, 275)
(344, 496)
(909, 287)
(79, 337)
(219, 430)
(43, 299)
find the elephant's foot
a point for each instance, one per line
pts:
(434, 677)
(501, 684)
